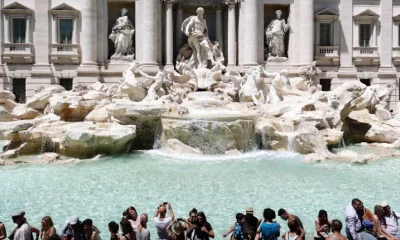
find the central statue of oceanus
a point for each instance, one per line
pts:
(199, 52)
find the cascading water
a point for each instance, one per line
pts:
(210, 134)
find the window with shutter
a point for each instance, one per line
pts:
(65, 31)
(325, 33)
(365, 35)
(18, 30)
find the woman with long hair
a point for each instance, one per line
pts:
(176, 231)
(203, 229)
(380, 220)
(132, 215)
(127, 230)
(370, 226)
(322, 225)
(48, 230)
(193, 221)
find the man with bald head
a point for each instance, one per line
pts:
(161, 221)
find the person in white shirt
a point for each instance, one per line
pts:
(23, 231)
(391, 223)
(161, 222)
(353, 219)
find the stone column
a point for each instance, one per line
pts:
(41, 74)
(385, 50)
(75, 31)
(218, 23)
(169, 35)
(88, 72)
(89, 32)
(54, 30)
(138, 30)
(346, 38)
(149, 33)
(306, 31)
(28, 29)
(231, 32)
(250, 38)
(179, 20)
(6, 28)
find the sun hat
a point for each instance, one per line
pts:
(73, 220)
(18, 214)
(384, 204)
(249, 210)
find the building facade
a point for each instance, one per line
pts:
(45, 42)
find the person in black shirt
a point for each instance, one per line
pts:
(203, 229)
(251, 224)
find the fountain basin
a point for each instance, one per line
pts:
(210, 134)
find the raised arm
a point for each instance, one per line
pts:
(229, 231)
(171, 212)
(157, 212)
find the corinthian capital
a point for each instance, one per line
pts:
(231, 2)
(167, 1)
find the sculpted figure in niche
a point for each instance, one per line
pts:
(121, 35)
(275, 35)
(199, 49)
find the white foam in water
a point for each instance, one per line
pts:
(245, 157)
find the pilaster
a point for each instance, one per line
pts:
(346, 39)
(306, 31)
(231, 32)
(169, 34)
(250, 32)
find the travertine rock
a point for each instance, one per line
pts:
(40, 100)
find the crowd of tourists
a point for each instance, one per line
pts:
(360, 224)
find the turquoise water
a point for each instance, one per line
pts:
(220, 187)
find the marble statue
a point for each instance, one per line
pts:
(279, 82)
(130, 87)
(253, 88)
(199, 52)
(275, 35)
(155, 90)
(121, 36)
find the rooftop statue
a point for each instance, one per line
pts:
(121, 36)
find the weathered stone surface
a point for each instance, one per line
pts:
(174, 146)
(9, 154)
(332, 136)
(5, 116)
(49, 158)
(366, 127)
(99, 115)
(40, 100)
(98, 87)
(211, 136)
(144, 115)
(24, 112)
(85, 140)
(73, 107)
(6, 95)
(309, 140)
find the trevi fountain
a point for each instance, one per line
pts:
(198, 136)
